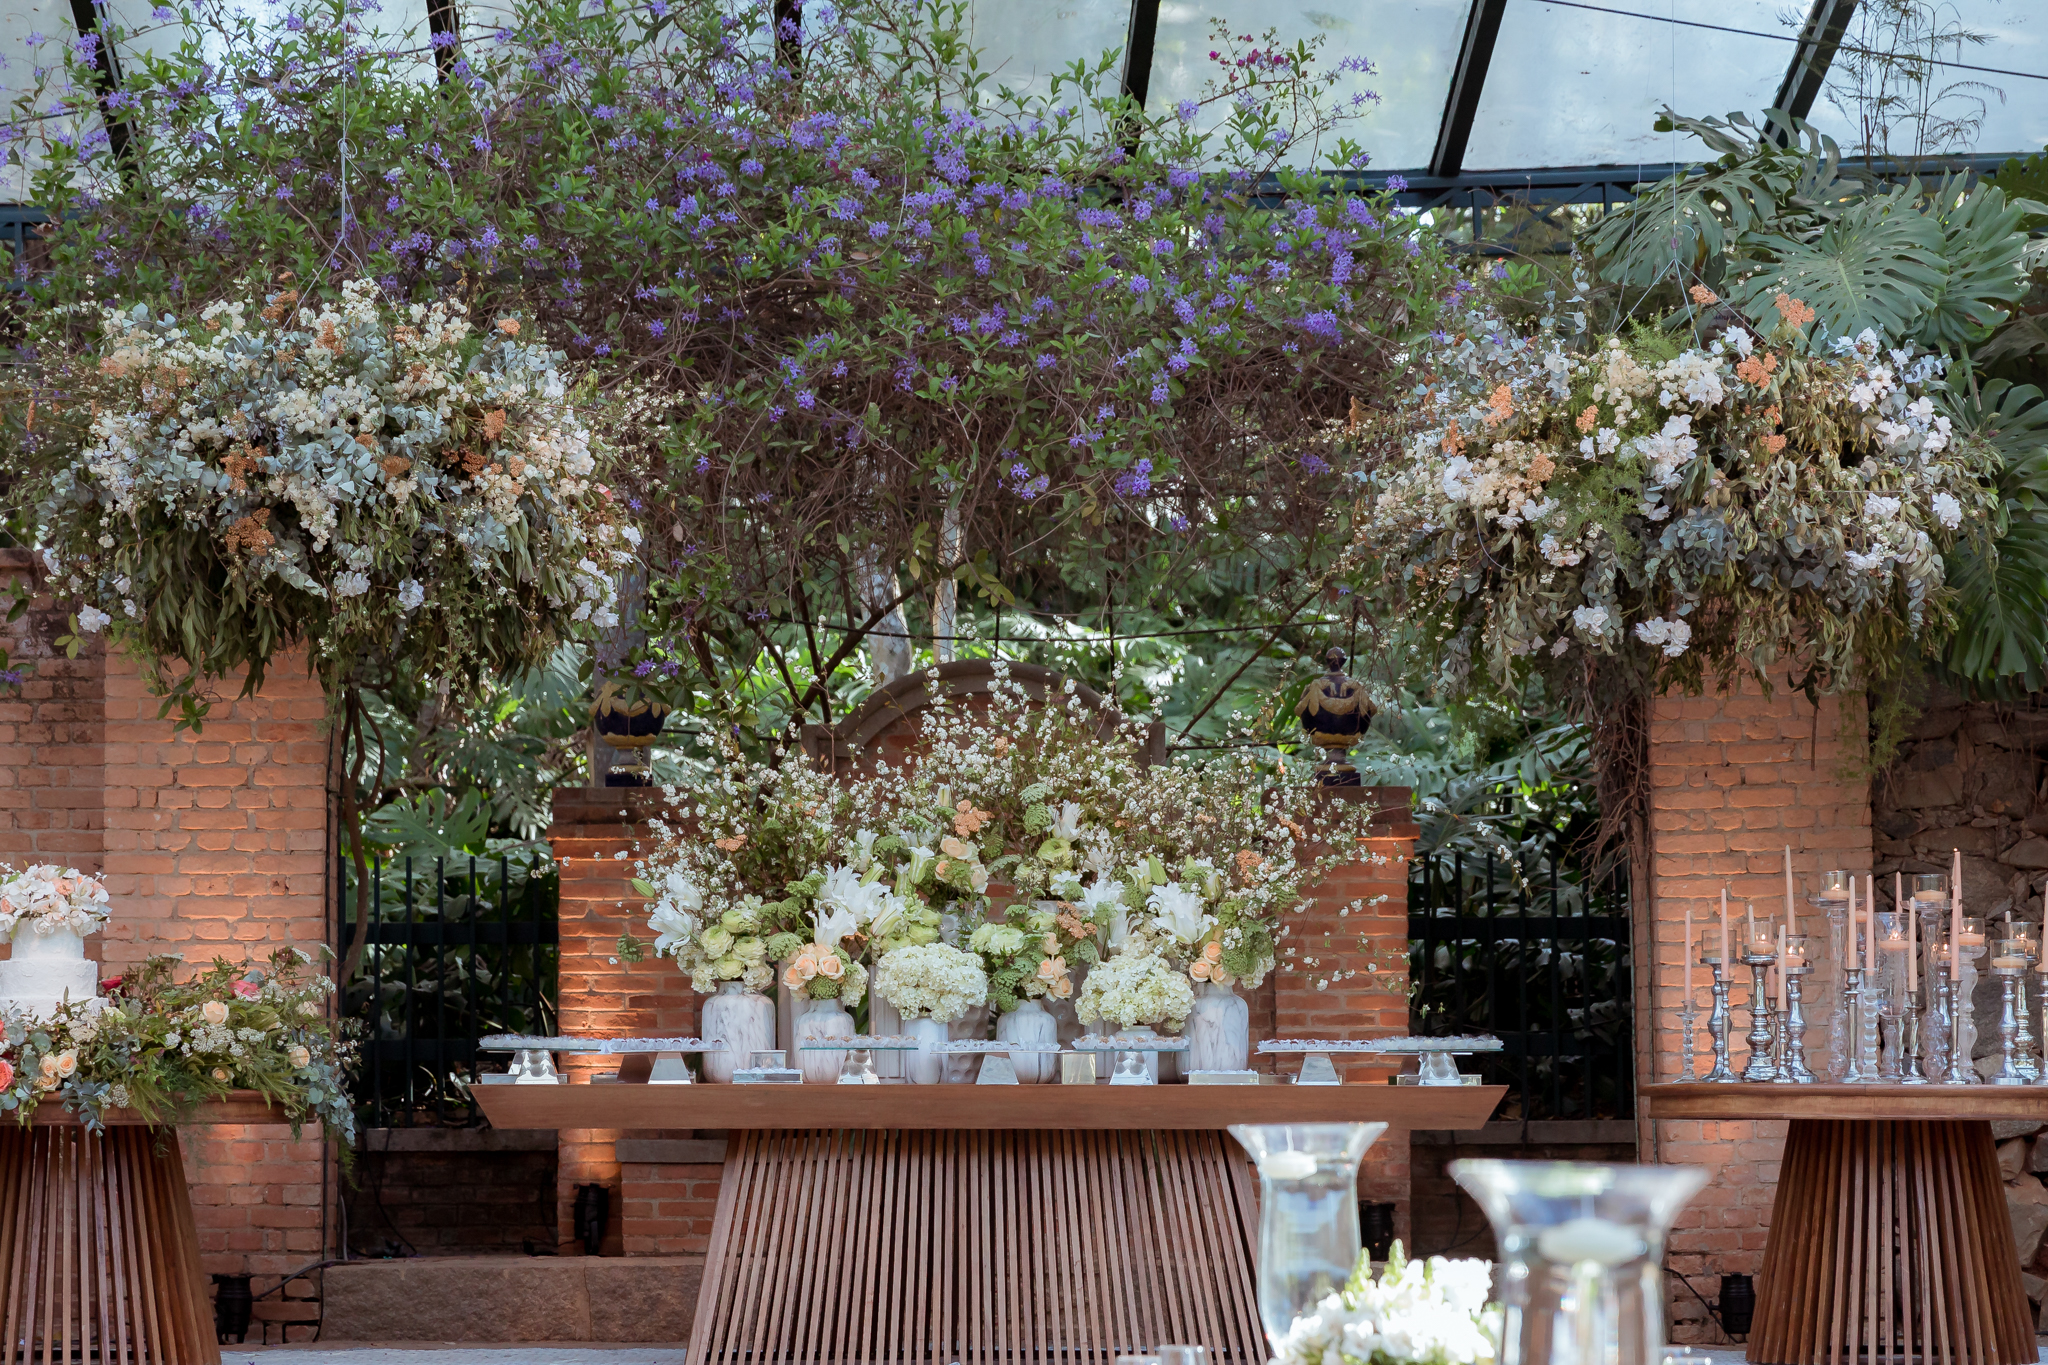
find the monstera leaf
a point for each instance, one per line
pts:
(1878, 264)
(2001, 638)
(1987, 256)
(1691, 219)
(432, 824)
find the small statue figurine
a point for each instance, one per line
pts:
(1335, 712)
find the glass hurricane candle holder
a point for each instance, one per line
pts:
(1718, 1023)
(1583, 1248)
(1308, 1212)
(1962, 1067)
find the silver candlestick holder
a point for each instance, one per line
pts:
(1688, 1030)
(1760, 1067)
(1856, 1071)
(1960, 1070)
(2008, 1023)
(2029, 1062)
(1792, 1067)
(1907, 1040)
(1717, 1025)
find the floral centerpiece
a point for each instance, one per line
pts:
(160, 1047)
(1136, 989)
(1025, 953)
(48, 898)
(379, 481)
(1679, 509)
(1432, 1312)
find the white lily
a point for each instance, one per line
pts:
(1066, 820)
(1102, 894)
(864, 849)
(1179, 912)
(833, 924)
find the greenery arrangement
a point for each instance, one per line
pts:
(161, 1047)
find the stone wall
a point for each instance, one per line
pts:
(451, 1192)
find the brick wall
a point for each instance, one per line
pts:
(452, 1192)
(671, 1194)
(1734, 779)
(210, 844)
(600, 994)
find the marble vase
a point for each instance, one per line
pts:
(824, 1019)
(1030, 1024)
(1219, 1030)
(744, 1021)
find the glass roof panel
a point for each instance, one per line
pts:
(2003, 109)
(1571, 87)
(1412, 44)
(1024, 45)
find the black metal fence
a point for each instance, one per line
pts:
(1526, 943)
(454, 949)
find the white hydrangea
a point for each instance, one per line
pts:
(1135, 988)
(1590, 620)
(1947, 510)
(1432, 1312)
(354, 583)
(92, 620)
(931, 980)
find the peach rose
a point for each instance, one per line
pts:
(953, 848)
(214, 1012)
(830, 967)
(1063, 988)
(1222, 978)
(1048, 969)
(220, 1073)
(67, 1062)
(48, 1066)
(299, 1056)
(1213, 952)
(1200, 971)
(792, 977)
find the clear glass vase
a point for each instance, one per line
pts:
(1308, 1212)
(1583, 1250)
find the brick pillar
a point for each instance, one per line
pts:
(1355, 916)
(594, 840)
(210, 845)
(1734, 779)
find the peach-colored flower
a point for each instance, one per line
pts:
(1702, 295)
(1213, 952)
(732, 845)
(953, 848)
(1500, 405)
(214, 1011)
(968, 820)
(1221, 977)
(67, 1062)
(1775, 442)
(1200, 971)
(1795, 313)
(831, 967)
(792, 977)
(6, 1073)
(1047, 969)
(220, 1073)
(1064, 987)
(47, 1064)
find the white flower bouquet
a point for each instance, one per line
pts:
(1135, 988)
(1432, 1312)
(933, 980)
(50, 898)
(727, 947)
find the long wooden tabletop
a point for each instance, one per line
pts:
(1743, 1100)
(239, 1106)
(1098, 1106)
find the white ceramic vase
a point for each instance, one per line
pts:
(824, 1019)
(1108, 1061)
(963, 1068)
(744, 1021)
(1029, 1024)
(927, 1065)
(1219, 1030)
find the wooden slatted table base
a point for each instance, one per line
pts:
(935, 1246)
(99, 1254)
(1890, 1240)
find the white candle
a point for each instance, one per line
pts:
(1955, 916)
(1579, 1240)
(1688, 957)
(1788, 884)
(1853, 964)
(1724, 929)
(1783, 963)
(1912, 931)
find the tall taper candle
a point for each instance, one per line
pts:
(1852, 922)
(1912, 931)
(1955, 919)
(1781, 970)
(1724, 931)
(1688, 957)
(1788, 886)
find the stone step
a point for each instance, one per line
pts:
(513, 1298)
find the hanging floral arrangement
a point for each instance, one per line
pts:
(1687, 510)
(381, 483)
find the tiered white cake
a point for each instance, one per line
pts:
(47, 969)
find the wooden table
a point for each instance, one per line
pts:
(1889, 1231)
(99, 1254)
(979, 1224)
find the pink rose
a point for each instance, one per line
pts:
(247, 990)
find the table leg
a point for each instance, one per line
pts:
(1890, 1242)
(1072, 1248)
(99, 1254)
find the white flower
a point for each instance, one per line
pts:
(410, 595)
(92, 620)
(1947, 510)
(1102, 894)
(1135, 988)
(352, 584)
(1877, 508)
(1066, 820)
(1590, 620)
(1863, 563)
(1673, 635)
(931, 980)
(1179, 913)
